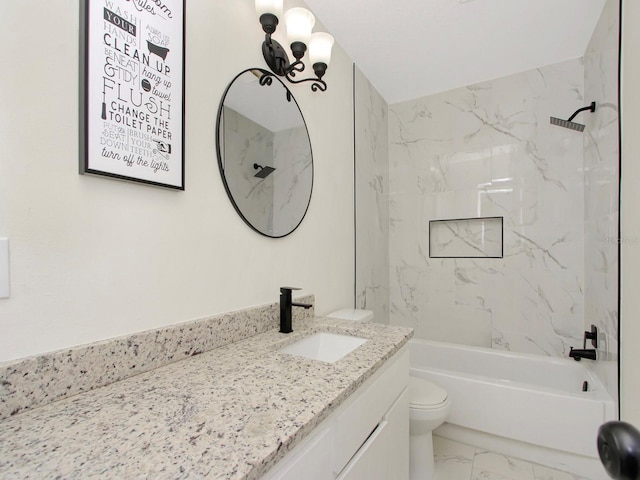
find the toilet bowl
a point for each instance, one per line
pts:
(429, 407)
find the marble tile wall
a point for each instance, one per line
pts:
(478, 237)
(601, 154)
(372, 199)
(489, 150)
(601, 165)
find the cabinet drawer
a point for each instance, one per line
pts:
(359, 419)
(310, 460)
(385, 454)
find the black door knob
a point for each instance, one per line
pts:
(619, 450)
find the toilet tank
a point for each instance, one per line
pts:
(355, 314)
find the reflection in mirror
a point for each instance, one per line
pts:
(264, 153)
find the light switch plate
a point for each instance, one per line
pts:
(4, 268)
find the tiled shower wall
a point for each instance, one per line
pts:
(372, 199)
(489, 150)
(601, 156)
(601, 173)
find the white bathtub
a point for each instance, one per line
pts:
(532, 400)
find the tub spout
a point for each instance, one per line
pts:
(579, 353)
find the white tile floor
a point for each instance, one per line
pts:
(456, 461)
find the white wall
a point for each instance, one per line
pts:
(630, 227)
(93, 258)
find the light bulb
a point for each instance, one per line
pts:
(320, 48)
(273, 7)
(300, 22)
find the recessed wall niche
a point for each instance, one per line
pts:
(466, 238)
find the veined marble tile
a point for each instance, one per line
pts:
(489, 150)
(374, 204)
(601, 154)
(478, 237)
(491, 465)
(546, 473)
(478, 474)
(453, 460)
(465, 325)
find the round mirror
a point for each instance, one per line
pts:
(264, 153)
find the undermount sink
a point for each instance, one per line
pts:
(326, 347)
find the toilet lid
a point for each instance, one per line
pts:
(424, 394)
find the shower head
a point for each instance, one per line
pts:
(567, 124)
(573, 125)
(264, 172)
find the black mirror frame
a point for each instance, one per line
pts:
(289, 97)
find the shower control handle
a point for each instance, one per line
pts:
(592, 335)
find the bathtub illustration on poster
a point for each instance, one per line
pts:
(161, 52)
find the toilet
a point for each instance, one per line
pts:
(429, 407)
(356, 314)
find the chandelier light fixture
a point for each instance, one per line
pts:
(299, 23)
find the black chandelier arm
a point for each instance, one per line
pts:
(297, 66)
(275, 55)
(278, 61)
(318, 83)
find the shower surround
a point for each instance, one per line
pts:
(371, 198)
(488, 150)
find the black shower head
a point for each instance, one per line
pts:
(573, 125)
(567, 124)
(264, 172)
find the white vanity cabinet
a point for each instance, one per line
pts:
(365, 438)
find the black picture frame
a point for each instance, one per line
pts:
(132, 84)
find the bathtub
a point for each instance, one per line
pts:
(531, 405)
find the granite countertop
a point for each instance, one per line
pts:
(230, 413)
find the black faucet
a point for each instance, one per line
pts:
(579, 353)
(590, 353)
(285, 308)
(591, 335)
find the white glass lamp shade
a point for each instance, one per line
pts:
(320, 47)
(300, 22)
(269, 6)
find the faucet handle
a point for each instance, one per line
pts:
(591, 335)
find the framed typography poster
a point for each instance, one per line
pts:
(132, 90)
